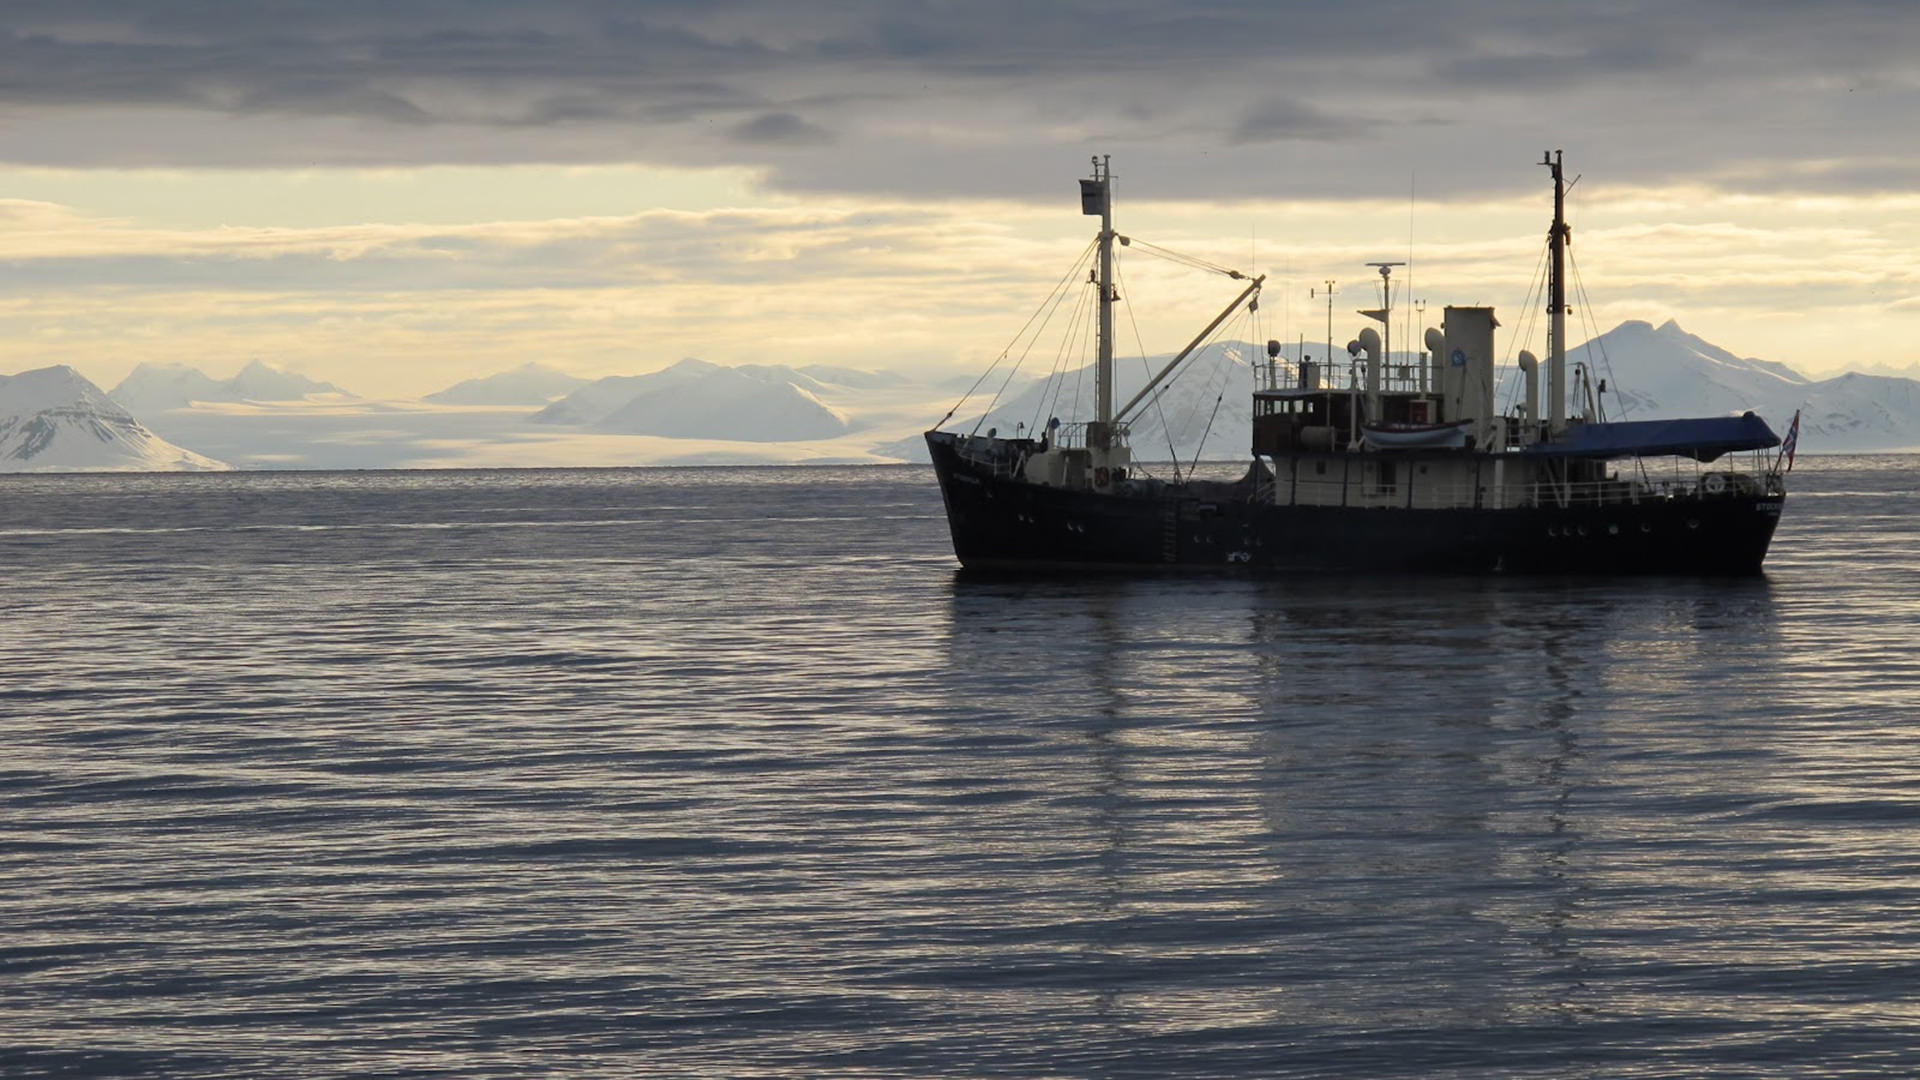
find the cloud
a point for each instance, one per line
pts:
(902, 172)
(402, 307)
(779, 129)
(1274, 121)
(842, 96)
(1560, 61)
(414, 307)
(53, 247)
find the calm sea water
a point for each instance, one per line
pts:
(727, 773)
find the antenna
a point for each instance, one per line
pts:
(1413, 187)
(1386, 307)
(1420, 306)
(1386, 268)
(1329, 293)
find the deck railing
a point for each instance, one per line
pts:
(1516, 485)
(1074, 436)
(1416, 493)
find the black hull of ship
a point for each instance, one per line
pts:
(1003, 524)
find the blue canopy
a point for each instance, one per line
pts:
(1702, 438)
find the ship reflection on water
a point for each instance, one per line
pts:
(1353, 808)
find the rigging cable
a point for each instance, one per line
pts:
(1202, 445)
(1086, 315)
(1586, 313)
(1226, 376)
(1141, 345)
(1061, 284)
(1014, 369)
(1191, 261)
(1057, 298)
(1193, 407)
(1202, 347)
(1514, 378)
(1595, 340)
(1048, 400)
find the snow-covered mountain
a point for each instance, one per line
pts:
(694, 399)
(854, 378)
(261, 381)
(1851, 413)
(697, 412)
(593, 402)
(530, 384)
(1664, 372)
(1909, 371)
(152, 388)
(54, 420)
(1651, 372)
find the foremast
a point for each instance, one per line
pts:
(1103, 373)
(1105, 440)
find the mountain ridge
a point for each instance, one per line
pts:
(1669, 372)
(696, 399)
(529, 384)
(151, 388)
(700, 411)
(54, 419)
(1652, 372)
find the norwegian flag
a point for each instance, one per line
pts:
(1792, 441)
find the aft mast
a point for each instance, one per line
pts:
(1557, 303)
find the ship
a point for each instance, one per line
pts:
(1391, 466)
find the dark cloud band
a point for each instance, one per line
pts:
(1215, 98)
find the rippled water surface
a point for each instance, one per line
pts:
(727, 773)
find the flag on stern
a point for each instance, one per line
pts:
(1792, 441)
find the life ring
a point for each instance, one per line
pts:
(1715, 483)
(1100, 476)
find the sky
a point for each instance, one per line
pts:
(393, 196)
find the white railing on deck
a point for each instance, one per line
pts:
(1074, 435)
(1416, 494)
(1395, 378)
